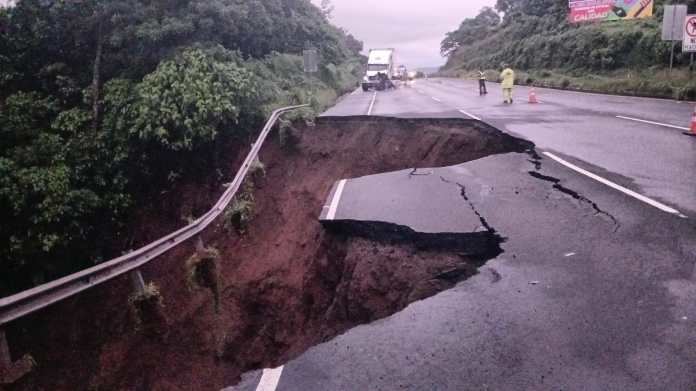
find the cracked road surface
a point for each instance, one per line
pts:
(595, 289)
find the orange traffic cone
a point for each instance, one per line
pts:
(532, 96)
(693, 125)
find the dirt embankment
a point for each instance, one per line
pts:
(285, 284)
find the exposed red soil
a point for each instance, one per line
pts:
(286, 284)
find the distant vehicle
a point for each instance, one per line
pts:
(401, 73)
(379, 61)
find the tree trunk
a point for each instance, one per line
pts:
(96, 80)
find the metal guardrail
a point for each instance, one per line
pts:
(31, 300)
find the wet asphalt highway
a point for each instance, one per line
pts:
(595, 290)
(654, 160)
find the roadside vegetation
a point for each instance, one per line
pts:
(534, 36)
(105, 105)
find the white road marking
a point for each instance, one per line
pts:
(617, 96)
(568, 255)
(335, 200)
(470, 115)
(372, 103)
(269, 379)
(652, 122)
(613, 185)
(435, 99)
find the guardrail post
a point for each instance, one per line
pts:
(200, 247)
(11, 371)
(138, 281)
(5, 359)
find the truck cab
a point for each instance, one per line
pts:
(379, 61)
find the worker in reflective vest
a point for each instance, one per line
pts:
(508, 80)
(482, 82)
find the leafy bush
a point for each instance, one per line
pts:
(239, 214)
(189, 100)
(202, 271)
(147, 309)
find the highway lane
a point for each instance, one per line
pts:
(355, 103)
(653, 160)
(594, 292)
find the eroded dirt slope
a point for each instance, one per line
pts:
(285, 285)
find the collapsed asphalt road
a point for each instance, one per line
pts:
(595, 289)
(282, 282)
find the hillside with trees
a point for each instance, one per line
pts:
(536, 38)
(105, 104)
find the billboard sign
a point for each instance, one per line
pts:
(689, 41)
(604, 10)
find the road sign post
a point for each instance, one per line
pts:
(311, 60)
(673, 27)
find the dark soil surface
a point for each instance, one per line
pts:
(285, 284)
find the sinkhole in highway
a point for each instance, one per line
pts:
(290, 280)
(307, 281)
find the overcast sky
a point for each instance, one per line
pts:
(414, 28)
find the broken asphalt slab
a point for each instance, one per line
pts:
(447, 199)
(402, 197)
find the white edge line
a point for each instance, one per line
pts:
(269, 379)
(613, 185)
(335, 200)
(560, 91)
(372, 103)
(435, 99)
(616, 96)
(652, 122)
(470, 115)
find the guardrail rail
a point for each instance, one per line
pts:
(31, 300)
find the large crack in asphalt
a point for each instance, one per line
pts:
(536, 161)
(462, 190)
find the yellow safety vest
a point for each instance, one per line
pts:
(508, 77)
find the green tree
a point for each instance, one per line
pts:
(187, 101)
(102, 104)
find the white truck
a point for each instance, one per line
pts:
(379, 61)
